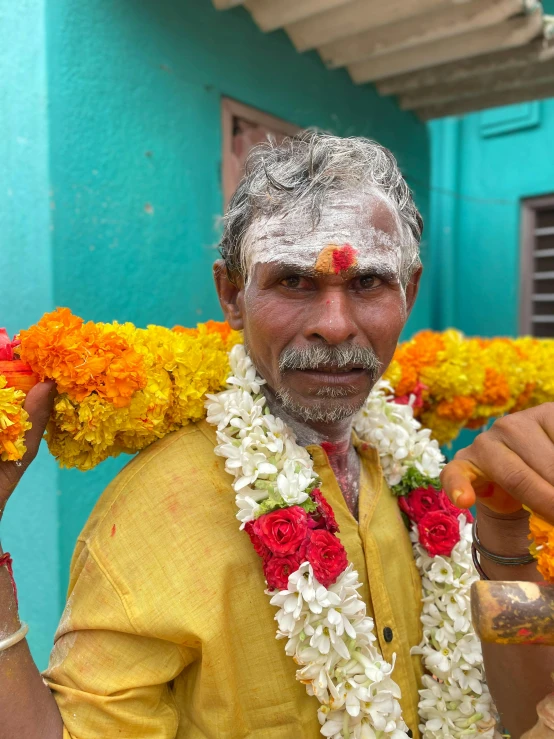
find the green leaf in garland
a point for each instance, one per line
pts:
(412, 480)
(272, 504)
(407, 522)
(309, 505)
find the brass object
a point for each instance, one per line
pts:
(517, 613)
(513, 612)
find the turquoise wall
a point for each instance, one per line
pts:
(120, 218)
(483, 164)
(29, 529)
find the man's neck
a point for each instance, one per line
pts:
(335, 439)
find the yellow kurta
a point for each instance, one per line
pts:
(167, 631)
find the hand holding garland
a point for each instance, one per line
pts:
(27, 709)
(506, 470)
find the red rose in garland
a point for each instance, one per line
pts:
(424, 500)
(420, 502)
(439, 532)
(449, 507)
(323, 518)
(282, 531)
(416, 393)
(327, 556)
(259, 547)
(278, 569)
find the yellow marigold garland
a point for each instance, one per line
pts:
(466, 382)
(13, 422)
(121, 387)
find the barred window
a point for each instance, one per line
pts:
(537, 267)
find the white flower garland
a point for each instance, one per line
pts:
(456, 702)
(329, 634)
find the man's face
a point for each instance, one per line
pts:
(323, 307)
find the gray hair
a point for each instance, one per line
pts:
(301, 172)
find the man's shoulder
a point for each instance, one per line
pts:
(162, 528)
(171, 475)
(184, 451)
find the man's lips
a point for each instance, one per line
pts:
(333, 375)
(332, 369)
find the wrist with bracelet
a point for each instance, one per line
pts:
(13, 639)
(477, 548)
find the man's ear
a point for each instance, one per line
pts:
(412, 289)
(228, 293)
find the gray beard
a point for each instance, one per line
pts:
(331, 409)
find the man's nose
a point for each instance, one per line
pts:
(331, 319)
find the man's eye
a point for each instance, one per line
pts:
(368, 281)
(294, 281)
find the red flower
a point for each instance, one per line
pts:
(419, 502)
(439, 532)
(417, 392)
(282, 531)
(449, 507)
(327, 556)
(259, 547)
(7, 345)
(323, 518)
(278, 569)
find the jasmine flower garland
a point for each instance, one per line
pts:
(455, 701)
(315, 589)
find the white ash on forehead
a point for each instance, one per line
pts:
(345, 219)
(300, 176)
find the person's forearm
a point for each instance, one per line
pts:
(27, 707)
(518, 676)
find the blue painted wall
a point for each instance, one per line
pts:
(118, 197)
(483, 164)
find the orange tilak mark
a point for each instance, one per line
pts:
(335, 259)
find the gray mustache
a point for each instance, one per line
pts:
(323, 355)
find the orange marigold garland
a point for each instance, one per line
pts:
(542, 545)
(83, 358)
(121, 388)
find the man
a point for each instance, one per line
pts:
(167, 631)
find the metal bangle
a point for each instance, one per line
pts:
(15, 638)
(523, 559)
(480, 571)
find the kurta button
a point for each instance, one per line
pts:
(387, 633)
